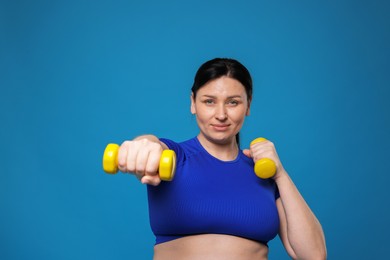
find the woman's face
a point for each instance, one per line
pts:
(220, 107)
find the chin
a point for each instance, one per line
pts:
(218, 139)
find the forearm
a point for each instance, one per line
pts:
(303, 231)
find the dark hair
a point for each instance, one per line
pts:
(219, 67)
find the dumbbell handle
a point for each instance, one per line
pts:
(264, 168)
(166, 169)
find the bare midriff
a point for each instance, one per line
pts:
(211, 246)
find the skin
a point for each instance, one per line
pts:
(220, 108)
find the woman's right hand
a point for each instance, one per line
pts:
(141, 157)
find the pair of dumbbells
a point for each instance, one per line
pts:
(264, 168)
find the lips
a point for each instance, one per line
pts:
(220, 127)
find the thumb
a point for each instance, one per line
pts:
(247, 152)
(151, 180)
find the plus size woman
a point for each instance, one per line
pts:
(216, 207)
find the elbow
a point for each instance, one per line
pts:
(321, 248)
(315, 256)
(318, 254)
(322, 254)
(314, 252)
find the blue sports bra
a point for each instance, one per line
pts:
(210, 196)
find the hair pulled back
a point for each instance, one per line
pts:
(220, 67)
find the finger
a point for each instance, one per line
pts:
(153, 162)
(265, 149)
(132, 152)
(264, 143)
(247, 152)
(151, 180)
(141, 161)
(122, 156)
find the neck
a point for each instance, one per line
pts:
(224, 150)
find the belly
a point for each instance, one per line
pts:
(210, 246)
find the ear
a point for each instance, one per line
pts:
(248, 110)
(193, 109)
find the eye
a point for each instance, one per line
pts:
(208, 101)
(233, 102)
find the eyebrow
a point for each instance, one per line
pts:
(211, 96)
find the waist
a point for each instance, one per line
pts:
(210, 246)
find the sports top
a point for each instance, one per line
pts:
(210, 196)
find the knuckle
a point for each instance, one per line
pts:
(140, 170)
(121, 164)
(126, 143)
(142, 141)
(131, 169)
(149, 170)
(155, 147)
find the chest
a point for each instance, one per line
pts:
(209, 197)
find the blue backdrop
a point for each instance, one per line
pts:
(76, 75)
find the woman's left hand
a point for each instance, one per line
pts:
(265, 149)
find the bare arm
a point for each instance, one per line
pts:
(300, 231)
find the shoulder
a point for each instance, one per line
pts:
(182, 149)
(188, 144)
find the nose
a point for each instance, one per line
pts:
(221, 113)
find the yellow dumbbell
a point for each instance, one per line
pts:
(166, 169)
(264, 168)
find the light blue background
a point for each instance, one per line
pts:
(76, 75)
